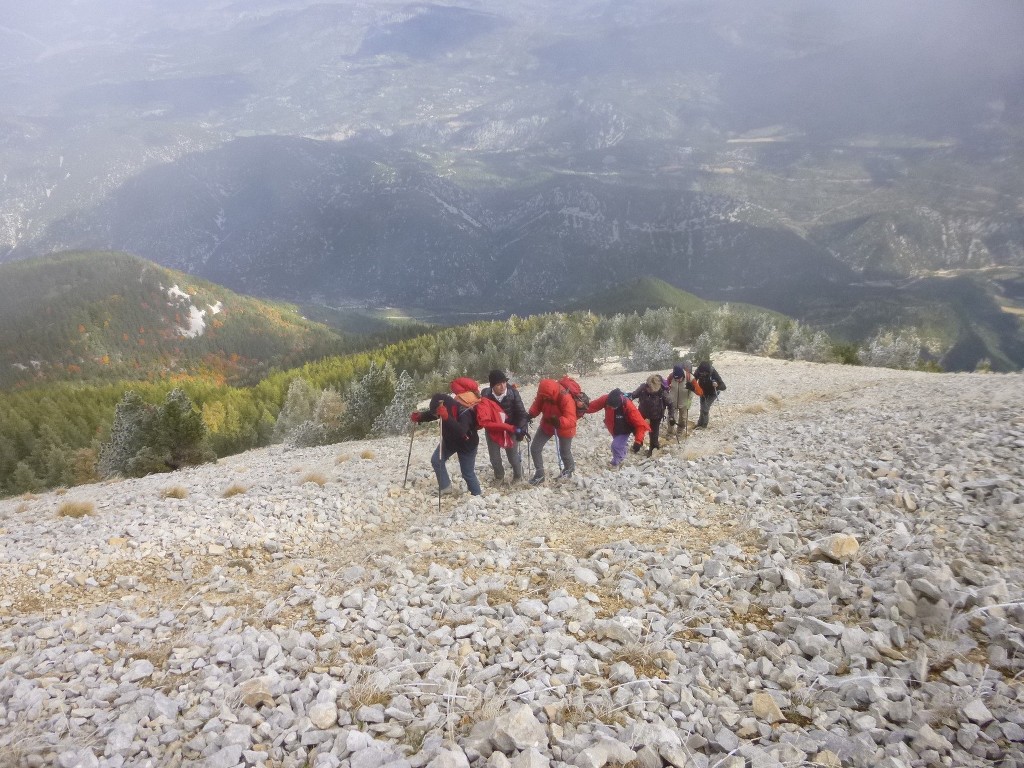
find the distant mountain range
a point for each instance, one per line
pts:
(859, 166)
(107, 316)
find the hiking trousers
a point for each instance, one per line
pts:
(515, 459)
(679, 415)
(706, 402)
(537, 452)
(655, 428)
(620, 444)
(467, 465)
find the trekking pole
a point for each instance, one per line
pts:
(558, 453)
(526, 437)
(408, 458)
(440, 458)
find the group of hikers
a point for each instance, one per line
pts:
(499, 410)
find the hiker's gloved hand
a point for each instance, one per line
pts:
(552, 420)
(520, 433)
(637, 447)
(442, 412)
(415, 417)
(671, 422)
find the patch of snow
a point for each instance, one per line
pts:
(196, 323)
(215, 309)
(175, 292)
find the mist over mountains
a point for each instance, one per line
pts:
(831, 161)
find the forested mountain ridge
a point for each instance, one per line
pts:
(112, 316)
(834, 163)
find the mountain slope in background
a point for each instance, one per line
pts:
(112, 316)
(516, 158)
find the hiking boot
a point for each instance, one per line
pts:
(448, 490)
(566, 474)
(537, 479)
(650, 452)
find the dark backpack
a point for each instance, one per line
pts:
(704, 378)
(579, 397)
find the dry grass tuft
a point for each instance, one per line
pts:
(76, 509)
(368, 688)
(175, 492)
(59, 491)
(367, 454)
(776, 400)
(754, 408)
(342, 458)
(644, 658)
(362, 654)
(22, 508)
(313, 477)
(233, 490)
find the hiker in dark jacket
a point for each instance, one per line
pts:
(707, 383)
(652, 400)
(679, 397)
(458, 433)
(511, 403)
(622, 419)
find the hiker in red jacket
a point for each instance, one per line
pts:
(557, 411)
(622, 419)
(502, 416)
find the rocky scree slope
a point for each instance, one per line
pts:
(829, 575)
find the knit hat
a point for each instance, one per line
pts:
(677, 371)
(614, 398)
(497, 376)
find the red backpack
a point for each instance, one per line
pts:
(579, 397)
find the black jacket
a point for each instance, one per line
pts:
(512, 404)
(651, 405)
(459, 430)
(710, 381)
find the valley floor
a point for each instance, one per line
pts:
(831, 574)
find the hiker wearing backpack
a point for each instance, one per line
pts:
(679, 396)
(503, 409)
(556, 408)
(622, 419)
(652, 400)
(458, 433)
(707, 383)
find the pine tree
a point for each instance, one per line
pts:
(24, 479)
(132, 420)
(648, 353)
(704, 348)
(297, 409)
(178, 432)
(394, 420)
(892, 350)
(366, 399)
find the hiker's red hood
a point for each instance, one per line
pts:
(465, 384)
(548, 389)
